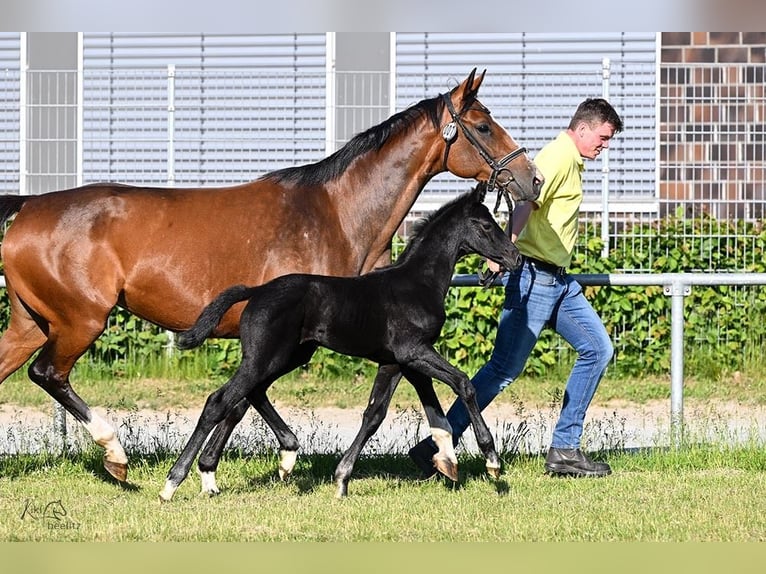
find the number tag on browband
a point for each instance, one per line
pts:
(449, 132)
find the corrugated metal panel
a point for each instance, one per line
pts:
(241, 106)
(534, 83)
(10, 50)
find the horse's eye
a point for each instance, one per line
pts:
(483, 128)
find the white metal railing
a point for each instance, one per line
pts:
(677, 286)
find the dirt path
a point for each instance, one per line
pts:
(329, 429)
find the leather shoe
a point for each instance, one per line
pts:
(573, 462)
(422, 454)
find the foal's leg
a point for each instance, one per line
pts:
(211, 454)
(288, 442)
(380, 397)
(445, 459)
(208, 460)
(217, 406)
(427, 361)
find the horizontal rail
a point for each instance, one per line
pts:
(675, 285)
(642, 279)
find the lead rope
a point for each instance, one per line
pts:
(486, 277)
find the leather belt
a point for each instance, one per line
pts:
(545, 266)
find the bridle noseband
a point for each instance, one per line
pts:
(450, 131)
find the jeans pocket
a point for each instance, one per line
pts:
(543, 278)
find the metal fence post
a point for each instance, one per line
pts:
(59, 425)
(678, 289)
(605, 75)
(171, 168)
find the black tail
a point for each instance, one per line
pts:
(10, 204)
(211, 316)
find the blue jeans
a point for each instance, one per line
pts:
(535, 298)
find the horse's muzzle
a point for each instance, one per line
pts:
(513, 259)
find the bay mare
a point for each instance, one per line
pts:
(392, 316)
(71, 256)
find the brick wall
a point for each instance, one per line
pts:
(712, 118)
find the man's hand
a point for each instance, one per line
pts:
(494, 267)
(486, 279)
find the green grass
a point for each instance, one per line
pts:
(697, 493)
(701, 492)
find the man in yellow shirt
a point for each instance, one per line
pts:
(541, 293)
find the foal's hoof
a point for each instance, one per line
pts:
(342, 491)
(119, 470)
(446, 467)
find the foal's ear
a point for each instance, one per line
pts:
(480, 191)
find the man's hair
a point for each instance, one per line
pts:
(594, 112)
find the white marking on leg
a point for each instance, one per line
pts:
(209, 485)
(168, 492)
(443, 440)
(287, 460)
(103, 434)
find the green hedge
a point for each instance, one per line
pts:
(724, 326)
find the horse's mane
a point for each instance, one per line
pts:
(372, 139)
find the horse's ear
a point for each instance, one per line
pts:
(469, 89)
(472, 86)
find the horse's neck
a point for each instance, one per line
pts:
(376, 193)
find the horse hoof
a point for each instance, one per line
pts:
(447, 468)
(342, 492)
(119, 470)
(287, 460)
(493, 471)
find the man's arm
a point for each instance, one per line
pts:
(520, 217)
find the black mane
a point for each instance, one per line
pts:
(372, 139)
(421, 225)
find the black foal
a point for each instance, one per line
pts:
(391, 316)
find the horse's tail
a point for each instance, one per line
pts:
(10, 204)
(211, 316)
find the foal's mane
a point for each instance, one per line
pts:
(421, 226)
(372, 139)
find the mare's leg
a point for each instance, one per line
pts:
(427, 361)
(288, 442)
(445, 459)
(382, 390)
(22, 338)
(50, 370)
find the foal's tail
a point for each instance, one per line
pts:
(211, 316)
(10, 204)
